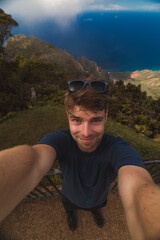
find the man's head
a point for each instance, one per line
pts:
(87, 114)
(89, 95)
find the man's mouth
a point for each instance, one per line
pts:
(86, 140)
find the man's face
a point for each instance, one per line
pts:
(86, 127)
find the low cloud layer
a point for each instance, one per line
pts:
(108, 7)
(62, 11)
(153, 7)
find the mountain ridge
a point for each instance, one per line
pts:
(41, 51)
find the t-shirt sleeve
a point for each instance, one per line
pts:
(57, 140)
(123, 154)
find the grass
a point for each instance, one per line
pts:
(29, 126)
(147, 147)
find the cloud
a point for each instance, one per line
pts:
(116, 7)
(153, 7)
(108, 7)
(134, 7)
(64, 12)
(61, 11)
(88, 19)
(98, 7)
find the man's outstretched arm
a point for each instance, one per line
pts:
(21, 169)
(141, 201)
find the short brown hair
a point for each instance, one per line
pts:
(88, 99)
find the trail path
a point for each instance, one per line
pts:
(45, 219)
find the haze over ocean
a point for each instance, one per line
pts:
(117, 41)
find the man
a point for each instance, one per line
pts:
(89, 160)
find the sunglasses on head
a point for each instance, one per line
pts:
(78, 85)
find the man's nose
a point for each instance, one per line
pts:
(86, 129)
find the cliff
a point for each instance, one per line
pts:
(92, 68)
(41, 51)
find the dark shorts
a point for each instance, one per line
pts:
(68, 205)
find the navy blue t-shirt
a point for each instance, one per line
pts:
(87, 176)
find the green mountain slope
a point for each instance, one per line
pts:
(38, 50)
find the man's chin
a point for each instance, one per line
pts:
(86, 147)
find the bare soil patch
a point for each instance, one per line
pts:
(45, 219)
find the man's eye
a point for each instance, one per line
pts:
(96, 120)
(76, 120)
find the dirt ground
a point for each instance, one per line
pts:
(45, 219)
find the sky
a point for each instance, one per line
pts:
(64, 12)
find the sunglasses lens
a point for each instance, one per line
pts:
(98, 86)
(75, 86)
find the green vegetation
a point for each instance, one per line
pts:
(132, 107)
(40, 51)
(29, 126)
(149, 81)
(147, 147)
(6, 25)
(19, 76)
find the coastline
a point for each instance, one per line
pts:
(148, 79)
(131, 71)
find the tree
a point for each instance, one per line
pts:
(6, 25)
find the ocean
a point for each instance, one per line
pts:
(116, 41)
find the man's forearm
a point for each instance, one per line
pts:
(148, 209)
(19, 174)
(143, 215)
